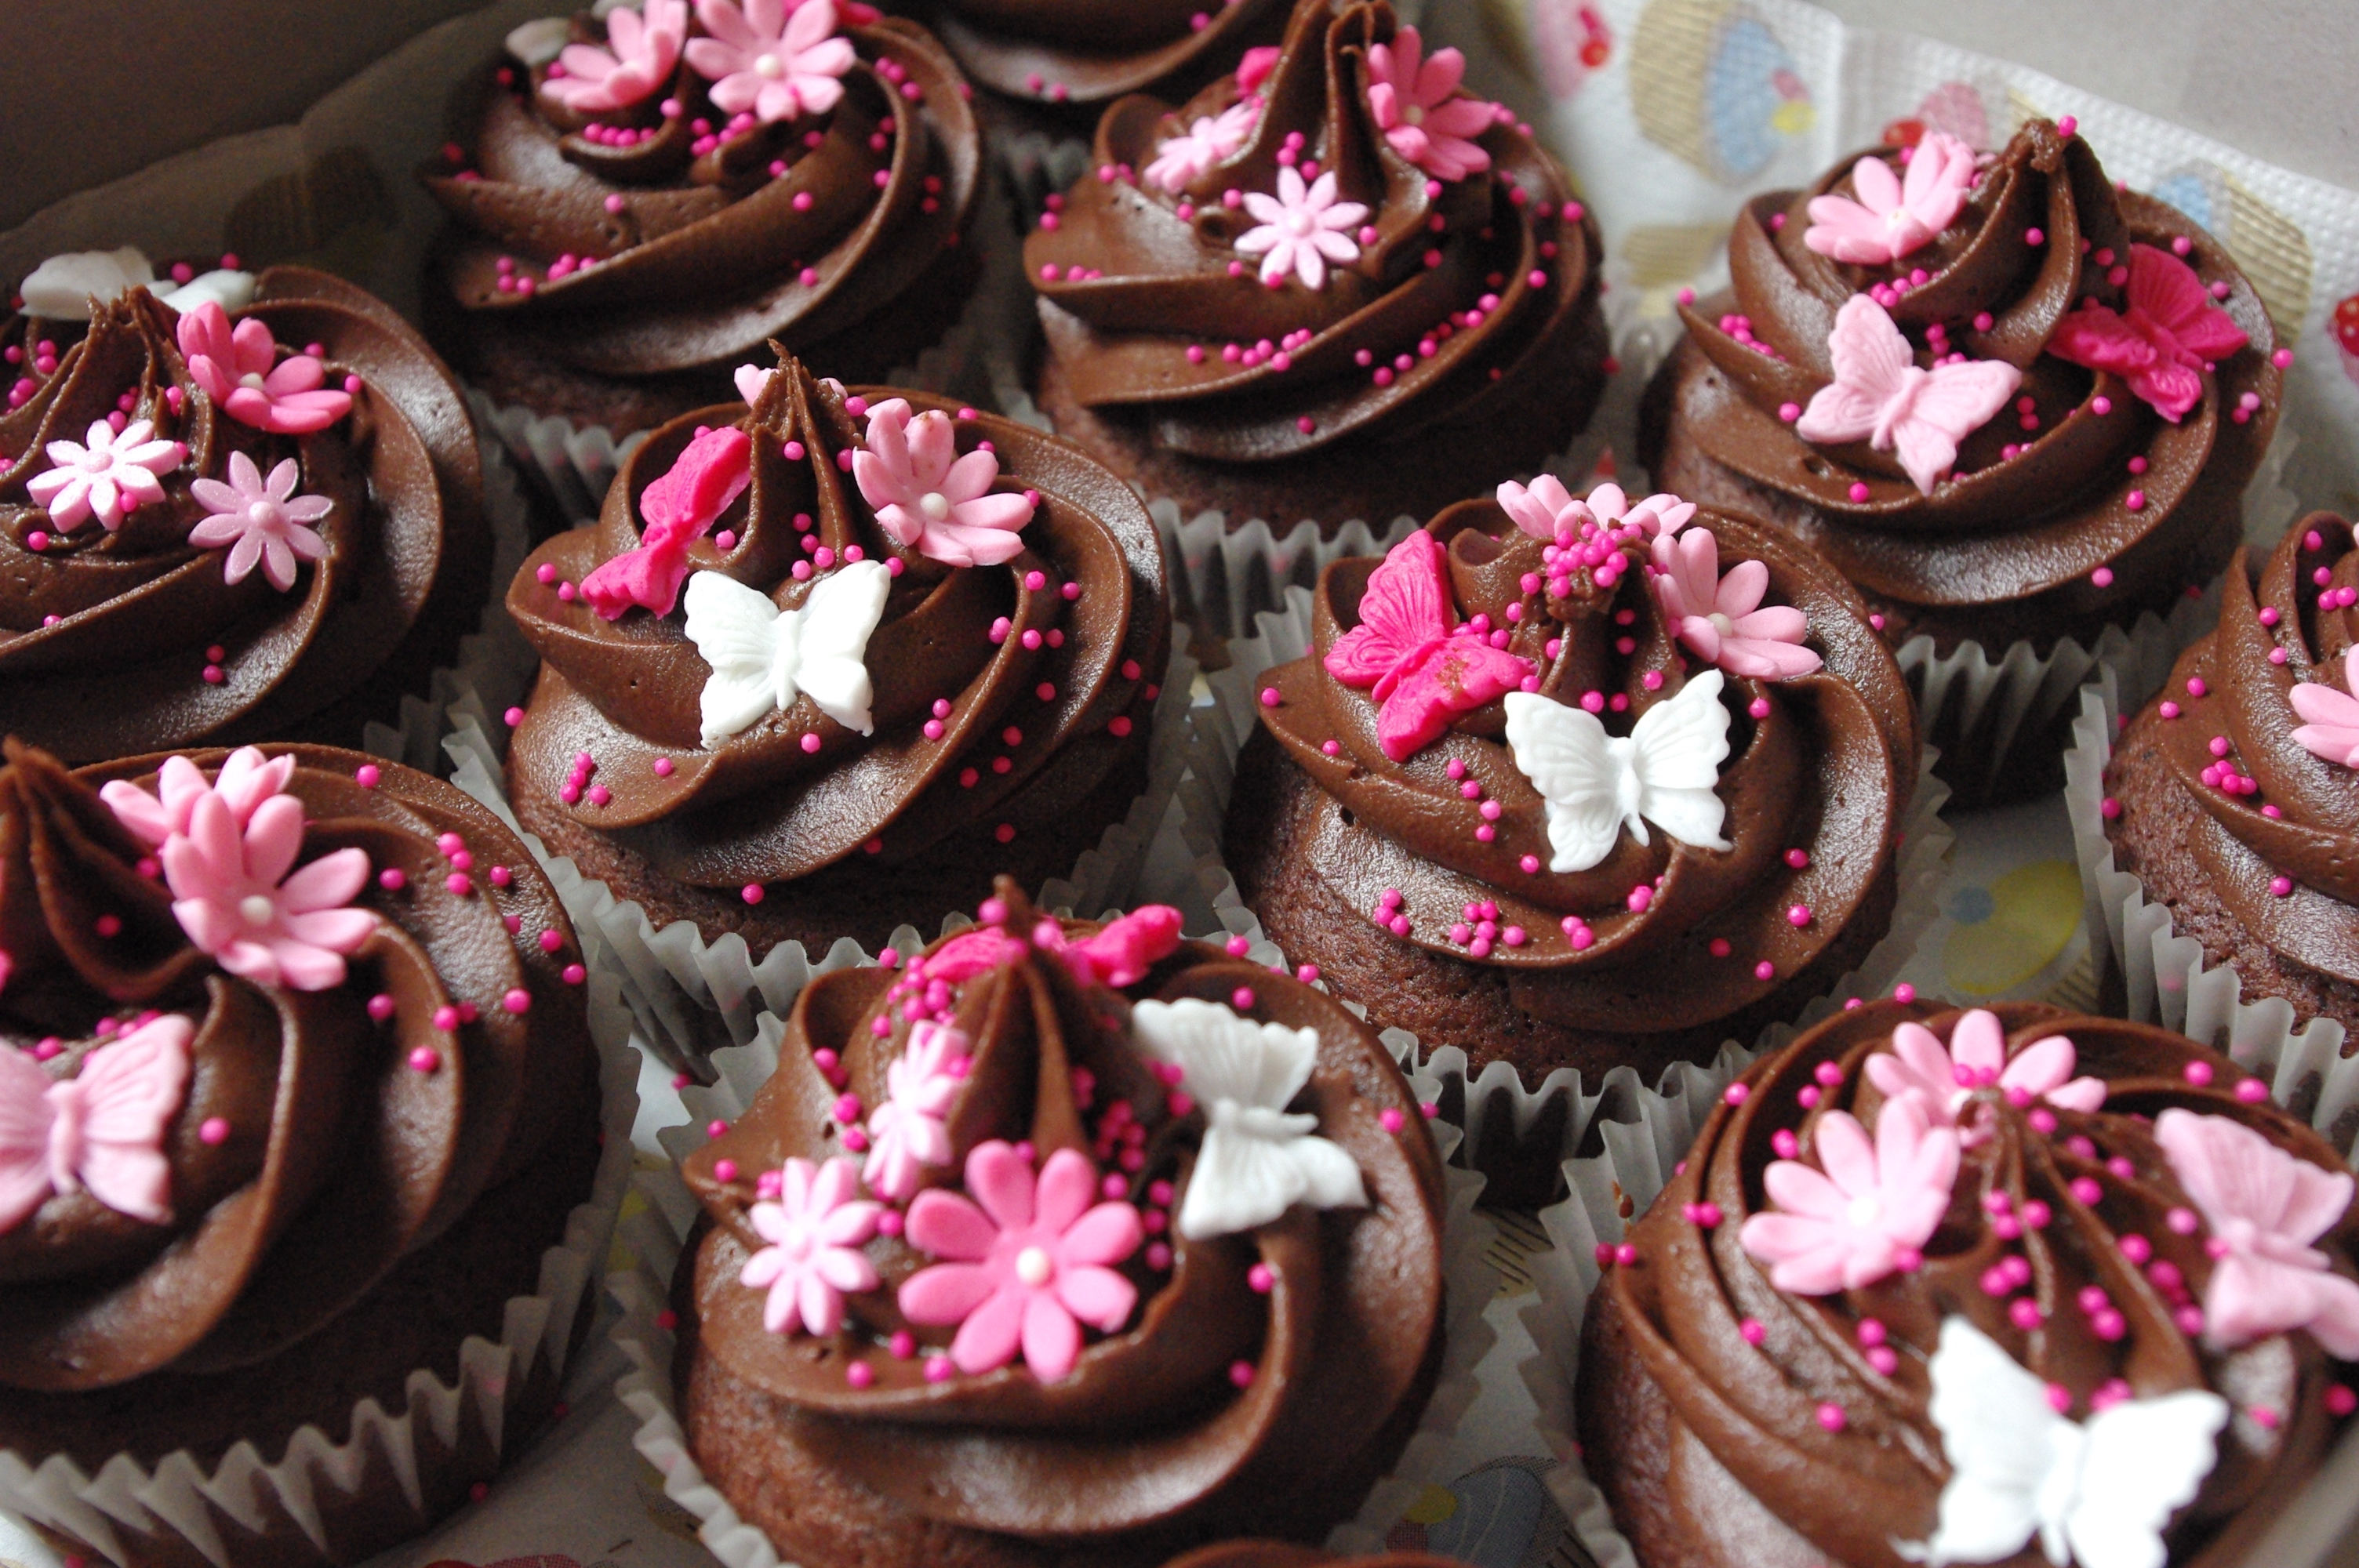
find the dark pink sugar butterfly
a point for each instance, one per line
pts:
(677, 508)
(2162, 343)
(1412, 654)
(1118, 955)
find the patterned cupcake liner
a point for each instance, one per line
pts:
(447, 1438)
(651, 1236)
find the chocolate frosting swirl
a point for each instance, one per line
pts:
(1819, 776)
(1150, 1430)
(2302, 822)
(2031, 510)
(999, 691)
(1454, 311)
(311, 1151)
(696, 242)
(115, 641)
(1751, 1409)
(1083, 51)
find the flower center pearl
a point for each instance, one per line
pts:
(261, 515)
(251, 381)
(1865, 1211)
(1034, 1267)
(769, 67)
(256, 909)
(935, 505)
(1414, 115)
(1720, 623)
(1299, 222)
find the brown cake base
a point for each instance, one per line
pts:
(1446, 1000)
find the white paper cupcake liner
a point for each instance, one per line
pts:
(2165, 976)
(651, 1237)
(179, 1509)
(1217, 732)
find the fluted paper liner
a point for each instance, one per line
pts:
(179, 1509)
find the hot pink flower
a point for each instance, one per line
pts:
(1301, 228)
(779, 57)
(228, 891)
(907, 1131)
(246, 779)
(2331, 730)
(1184, 157)
(640, 53)
(1866, 1214)
(1417, 108)
(236, 369)
(1029, 1267)
(2170, 335)
(1413, 656)
(260, 522)
(678, 509)
(2264, 1207)
(1255, 66)
(1944, 1079)
(814, 1230)
(1722, 618)
(1891, 217)
(927, 495)
(102, 1128)
(1547, 509)
(107, 476)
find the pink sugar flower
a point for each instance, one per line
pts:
(2163, 344)
(1301, 228)
(1894, 216)
(101, 1129)
(927, 496)
(813, 1259)
(106, 476)
(1028, 1266)
(1722, 618)
(1944, 1079)
(907, 1132)
(779, 57)
(1210, 141)
(2331, 730)
(1547, 508)
(246, 779)
(640, 52)
(1418, 108)
(2264, 1207)
(679, 508)
(236, 369)
(1867, 1214)
(261, 523)
(234, 897)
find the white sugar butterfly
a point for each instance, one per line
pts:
(1596, 784)
(1881, 396)
(763, 657)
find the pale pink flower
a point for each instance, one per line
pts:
(1302, 228)
(813, 1258)
(106, 476)
(1547, 508)
(246, 779)
(1722, 618)
(907, 1132)
(1944, 1079)
(2331, 731)
(779, 57)
(927, 495)
(640, 52)
(236, 369)
(1867, 1214)
(102, 1128)
(260, 522)
(2264, 1207)
(1893, 217)
(1418, 107)
(228, 891)
(1210, 140)
(1028, 1266)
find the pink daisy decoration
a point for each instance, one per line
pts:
(907, 1132)
(777, 58)
(1302, 227)
(107, 475)
(1944, 1079)
(236, 369)
(246, 779)
(1419, 109)
(261, 523)
(927, 496)
(1867, 1214)
(1894, 216)
(2264, 1207)
(234, 896)
(1028, 1268)
(1545, 509)
(2331, 718)
(813, 1259)
(1212, 139)
(641, 48)
(1722, 618)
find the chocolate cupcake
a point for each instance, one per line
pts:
(224, 524)
(2009, 401)
(1329, 287)
(791, 688)
(1068, 58)
(291, 1115)
(1120, 1246)
(2232, 798)
(1281, 1554)
(1994, 1286)
(1544, 754)
(646, 199)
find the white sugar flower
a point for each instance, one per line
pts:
(108, 475)
(1302, 229)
